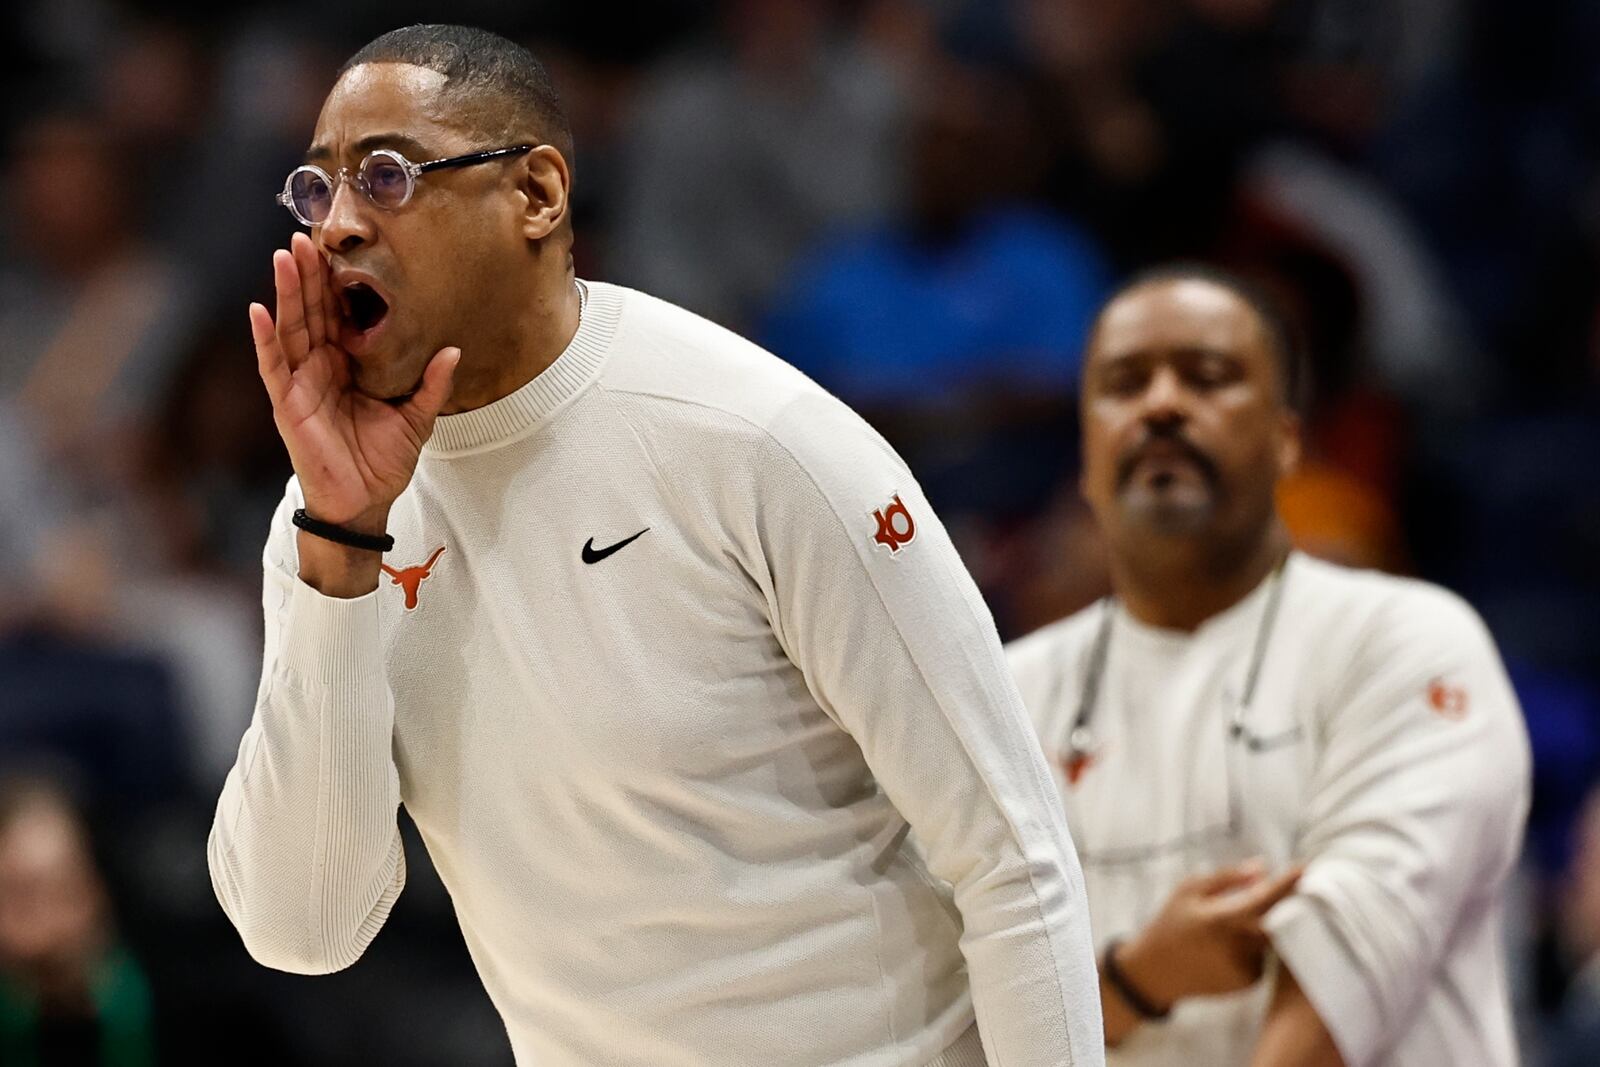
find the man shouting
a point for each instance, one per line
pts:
(660, 645)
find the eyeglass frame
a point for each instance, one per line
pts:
(413, 171)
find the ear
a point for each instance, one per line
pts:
(547, 188)
(1290, 443)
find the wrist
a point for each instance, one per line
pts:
(337, 570)
(1147, 973)
(374, 521)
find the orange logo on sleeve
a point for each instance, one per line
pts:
(411, 578)
(895, 526)
(1448, 701)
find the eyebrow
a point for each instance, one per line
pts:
(1143, 357)
(406, 146)
(1183, 351)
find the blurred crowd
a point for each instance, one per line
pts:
(918, 202)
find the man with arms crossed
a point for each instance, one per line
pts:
(666, 652)
(1296, 789)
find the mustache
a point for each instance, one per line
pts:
(1173, 438)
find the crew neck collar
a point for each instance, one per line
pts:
(517, 413)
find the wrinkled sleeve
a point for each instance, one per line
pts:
(1415, 816)
(305, 853)
(876, 608)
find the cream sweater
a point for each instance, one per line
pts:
(1384, 749)
(670, 652)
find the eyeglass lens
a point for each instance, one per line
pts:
(310, 195)
(384, 180)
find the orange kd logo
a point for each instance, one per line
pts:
(1448, 701)
(895, 526)
(411, 578)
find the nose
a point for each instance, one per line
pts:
(348, 225)
(1165, 401)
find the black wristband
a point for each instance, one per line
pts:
(1114, 976)
(341, 536)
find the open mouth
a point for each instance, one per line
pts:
(363, 307)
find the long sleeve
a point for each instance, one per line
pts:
(1414, 818)
(874, 605)
(305, 853)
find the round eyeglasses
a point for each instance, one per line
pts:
(384, 177)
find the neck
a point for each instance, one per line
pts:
(1180, 587)
(531, 340)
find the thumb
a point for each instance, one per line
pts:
(438, 380)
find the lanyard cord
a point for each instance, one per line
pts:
(1080, 740)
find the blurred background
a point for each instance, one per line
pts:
(918, 202)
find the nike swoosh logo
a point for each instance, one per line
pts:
(594, 555)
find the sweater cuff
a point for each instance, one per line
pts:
(1303, 935)
(330, 642)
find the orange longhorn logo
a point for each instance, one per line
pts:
(411, 578)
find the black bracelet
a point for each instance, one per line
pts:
(341, 536)
(1118, 980)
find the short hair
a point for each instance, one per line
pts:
(480, 64)
(1282, 335)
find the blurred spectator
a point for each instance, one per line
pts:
(95, 319)
(91, 313)
(1413, 337)
(53, 571)
(70, 994)
(215, 470)
(103, 715)
(741, 155)
(972, 288)
(69, 697)
(1155, 104)
(957, 328)
(1494, 156)
(155, 94)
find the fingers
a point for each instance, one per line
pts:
(1260, 899)
(313, 287)
(437, 382)
(291, 318)
(1226, 879)
(270, 361)
(331, 309)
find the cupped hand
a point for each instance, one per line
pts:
(353, 454)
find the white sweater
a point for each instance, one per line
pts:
(668, 789)
(1384, 749)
